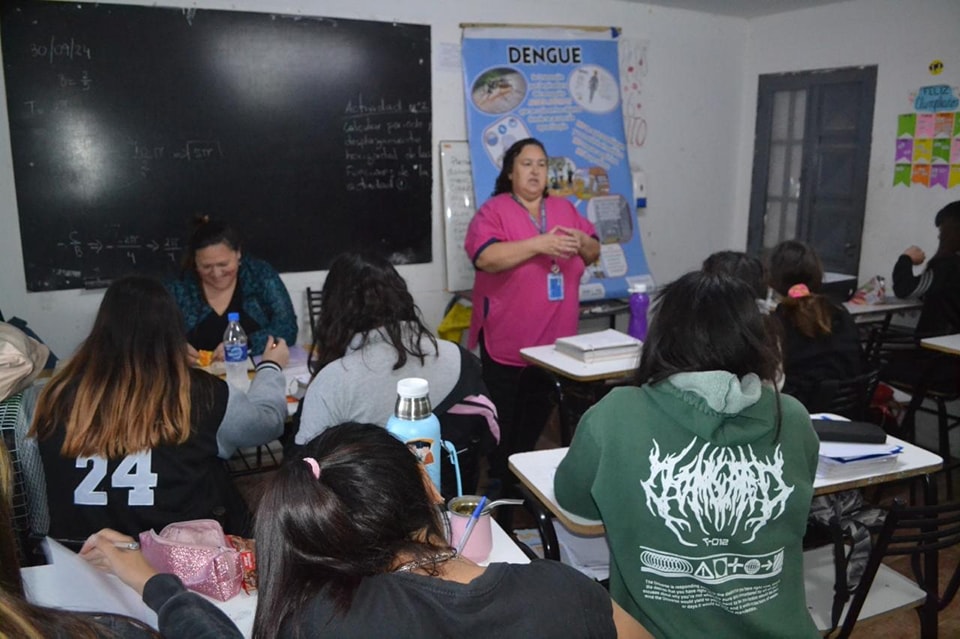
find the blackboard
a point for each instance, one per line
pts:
(310, 135)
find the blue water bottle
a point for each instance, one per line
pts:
(639, 305)
(414, 423)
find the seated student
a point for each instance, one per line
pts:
(939, 288)
(702, 473)
(820, 340)
(939, 284)
(180, 613)
(350, 543)
(132, 438)
(369, 335)
(217, 280)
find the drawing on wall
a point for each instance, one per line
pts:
(928, 140)
(633, 70)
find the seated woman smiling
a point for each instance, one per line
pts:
(219, 279)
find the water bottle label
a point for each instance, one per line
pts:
(235, 352)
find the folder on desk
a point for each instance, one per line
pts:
(846, 452)
(599, 346)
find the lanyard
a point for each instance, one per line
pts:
(542, 227)
(543, 214)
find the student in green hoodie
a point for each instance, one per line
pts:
(702, 473)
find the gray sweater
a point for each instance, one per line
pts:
(361, 386)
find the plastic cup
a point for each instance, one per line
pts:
(480, 542)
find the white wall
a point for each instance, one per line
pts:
(693, 111)
(901, 38)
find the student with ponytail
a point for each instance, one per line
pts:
(820, 340)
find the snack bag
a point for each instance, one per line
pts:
(872, 292)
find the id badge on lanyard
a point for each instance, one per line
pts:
(554, 277)
(555, 284)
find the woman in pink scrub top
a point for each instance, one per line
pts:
(529, 250)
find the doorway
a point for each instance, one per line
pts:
(810, 165)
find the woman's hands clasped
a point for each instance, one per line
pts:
(561, 241)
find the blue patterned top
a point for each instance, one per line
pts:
(265, 300)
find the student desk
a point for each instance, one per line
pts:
(536, 469)
(949, 344)
(874, 319)
(579, 385)
(882, 312)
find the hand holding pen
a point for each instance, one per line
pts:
(118, 554)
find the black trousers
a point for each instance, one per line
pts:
(523, 406)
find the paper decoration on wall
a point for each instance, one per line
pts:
(928, 142)
(936, 67)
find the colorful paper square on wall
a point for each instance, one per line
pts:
(928, 140)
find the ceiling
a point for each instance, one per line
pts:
(739, 8)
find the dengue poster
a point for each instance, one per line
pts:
(562, 87)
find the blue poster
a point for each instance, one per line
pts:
(565, 92)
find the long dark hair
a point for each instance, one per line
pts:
(208, 232)
(503, 183)
(127, 389)
(368, 506)
(791, 263)
(707, 322)
(362, 293)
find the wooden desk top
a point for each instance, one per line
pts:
(536, 470)
(945, 343)
(572, 368)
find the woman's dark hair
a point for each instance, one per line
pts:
(208, 232)
(128, 387)
(362, 293)
(708, 322)
(503, 183)
(791, 263)
(369, 506)
(739, 265)
(948, 222)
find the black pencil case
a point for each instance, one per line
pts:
(829, 430)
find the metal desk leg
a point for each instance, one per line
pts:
(548, 536)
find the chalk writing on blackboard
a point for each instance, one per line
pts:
(310, 135)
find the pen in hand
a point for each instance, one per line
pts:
(471, 524)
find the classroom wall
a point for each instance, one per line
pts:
(901, 38)
(693, 101)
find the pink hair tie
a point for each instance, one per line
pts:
(798, 290)
(314, 466)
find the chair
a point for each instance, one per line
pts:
(313, 309)
(847, 397)
(926, 375)
(920, 533)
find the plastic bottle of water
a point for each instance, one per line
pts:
(414, 423)
(235, 353)
(639, 305)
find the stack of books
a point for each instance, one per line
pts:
(599, 347)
